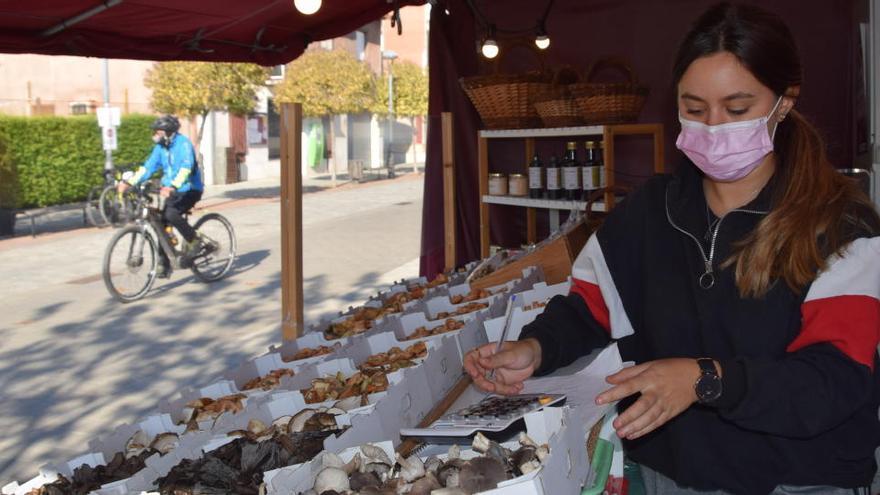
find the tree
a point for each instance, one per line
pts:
(328, 83)
(194, 89)
(410, 92)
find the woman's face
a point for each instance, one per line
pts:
(718, 89)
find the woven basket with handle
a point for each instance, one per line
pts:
(609, 103)
(556, 107)
(506, 101)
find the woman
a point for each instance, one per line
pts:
(746, 288)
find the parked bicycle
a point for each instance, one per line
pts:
(107, 206)
(132, 258)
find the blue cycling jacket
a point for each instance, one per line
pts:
(180, 169)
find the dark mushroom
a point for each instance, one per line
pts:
(481, 474)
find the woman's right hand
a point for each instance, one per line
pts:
(516, 361)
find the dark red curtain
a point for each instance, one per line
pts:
(644, 32)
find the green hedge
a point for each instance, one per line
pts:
(58, 159)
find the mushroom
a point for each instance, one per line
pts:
(425, 485)
(490, 448)
(375, 454)
(348, 403)
(282, 423)
(298, 421)
(354, 465)
(432, 464)
(525, 440)
(329, 459)
(454, 452)
(481, 474)
(542, 452)
(331, 478)
(380, 469)
(164, 442)
(448, 473)
(359, 481)
(136, 444)
(411, 469)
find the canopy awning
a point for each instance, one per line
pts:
(267, 32)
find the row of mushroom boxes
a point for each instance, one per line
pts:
(359, 389)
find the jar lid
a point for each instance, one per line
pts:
(497, 175)
(518, 176)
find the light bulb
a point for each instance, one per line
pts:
(307, 7)
(489, 48)
(542, 41)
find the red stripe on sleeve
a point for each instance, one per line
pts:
(850, 323)
(592, 295)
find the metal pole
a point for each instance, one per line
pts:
(390, 119)
(108, 155)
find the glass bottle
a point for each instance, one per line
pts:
(536, 178)
(571, 173)
(554, 179)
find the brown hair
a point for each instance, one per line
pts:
(816, 211)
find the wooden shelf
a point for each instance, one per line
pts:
(590, 130)
(528, 137)
(547, 204)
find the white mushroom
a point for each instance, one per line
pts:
(329, 459)
(454, 452)
(331, 479)
(282, 423)
(411, 469)
(136, 444)
(165, 442)
(336, 411)
(375, 454)
(528, 467)
(348, 403)
(526, 440)
(542, 452)
(298, 421)
(481, 443)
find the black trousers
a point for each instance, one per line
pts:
(178, 204)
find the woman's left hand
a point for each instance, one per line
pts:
(667, 388)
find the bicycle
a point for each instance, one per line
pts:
(105, 205)
(132, 256)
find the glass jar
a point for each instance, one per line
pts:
(518, 185)
(497, 184)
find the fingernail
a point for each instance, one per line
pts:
(600, 400)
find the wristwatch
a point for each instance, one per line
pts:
(708, 385)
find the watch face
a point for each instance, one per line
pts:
(708, 387)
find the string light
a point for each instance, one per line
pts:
(542, 41)
(490, 46)
(307, 7)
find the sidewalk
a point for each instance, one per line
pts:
(69, 217)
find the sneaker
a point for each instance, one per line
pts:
(192, 250)
(163, 270)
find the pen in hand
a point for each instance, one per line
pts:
(503, 332)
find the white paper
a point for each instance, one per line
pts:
(581, 388)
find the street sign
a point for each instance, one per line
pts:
(109, 116)
(108, 136)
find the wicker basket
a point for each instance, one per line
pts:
(505, 101)
(609, 103)
(556, 107)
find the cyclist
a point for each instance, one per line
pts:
(182, 184)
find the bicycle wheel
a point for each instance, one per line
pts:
(93, 207)
(130, 264)
(116, 208)
(215, 260)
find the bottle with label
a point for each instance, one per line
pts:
(169, 233)
(571, 173)
(536, 178)
(592, 170)
(600, 157)
(554, 179)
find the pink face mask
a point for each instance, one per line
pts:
(727, 152)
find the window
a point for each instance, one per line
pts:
(326, 44)
(360, 41)
(78, 108)
(277, 72)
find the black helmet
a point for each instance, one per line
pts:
(167, 123)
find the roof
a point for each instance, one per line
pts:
(267, 32)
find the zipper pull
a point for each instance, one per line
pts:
(707, 279)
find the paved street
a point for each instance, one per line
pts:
(73, 362)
